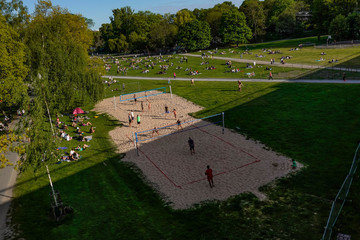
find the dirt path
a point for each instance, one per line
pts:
(7, 183)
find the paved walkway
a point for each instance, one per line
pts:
(236, 79)
(7, 183)
(292, 65)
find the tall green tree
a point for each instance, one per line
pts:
(255, 17)
(163, 34)
(59, 42)
(213, 17)
(234, 29)
(339, 29)
(12, 73)
(183, 16)
(353, 21)
(15, 13)
(273, 10)
(12, 66)
(194, 35)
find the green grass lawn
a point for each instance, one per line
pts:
(347, 57)
(316, 124)
(181, 68)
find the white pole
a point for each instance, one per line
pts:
(170, 92)
(114, 103)
(52, 187)
(223, 122)
(135, 145)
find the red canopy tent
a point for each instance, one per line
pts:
(78, 111)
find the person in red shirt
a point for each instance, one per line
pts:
(209, 175)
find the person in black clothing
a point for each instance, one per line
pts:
(191, 145)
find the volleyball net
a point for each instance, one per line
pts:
(142, 94)
(178, 127)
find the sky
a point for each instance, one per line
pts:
(100, 11)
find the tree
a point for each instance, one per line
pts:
(274, 8)
(15, 13)
(339, 28)
(322, 14)
(213, 17)
(234, 28)
(353, 21)
(286, 24)
(163, 34)
(59, 42)
(12, 66)
(194, 35)
(183, 16)
(12, 73)
(118, 44)
(255, 17)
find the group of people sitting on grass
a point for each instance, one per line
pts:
(77, 122)
(73, 155)
(196, 72)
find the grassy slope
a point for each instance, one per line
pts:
(315, 124)
(221, 71)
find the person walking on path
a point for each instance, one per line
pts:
(192, 82)
(209, 175)
(174, 75)
(270, 76)
(191, 145)
(240, 85)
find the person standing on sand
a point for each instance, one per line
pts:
(135, 98)
(130, 119)
(132, 115)
(149, 105)
(178, 122)
(191, 145)
(138, 119)
(209, 175)
(155, 130)
(142, 106)
(174, 111)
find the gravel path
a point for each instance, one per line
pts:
(239, 165)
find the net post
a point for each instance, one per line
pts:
(114, 103)
(223, 122)
(136, 145)
(170, 92)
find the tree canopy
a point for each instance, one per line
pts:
(12, 65)
(234, 28)
(194, 35)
